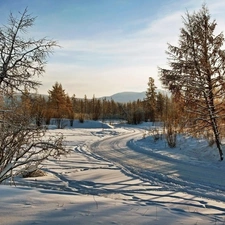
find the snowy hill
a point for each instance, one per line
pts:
(126, 96)
(129, 96)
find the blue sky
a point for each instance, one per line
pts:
(107, 46)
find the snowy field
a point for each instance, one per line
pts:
(118, 175)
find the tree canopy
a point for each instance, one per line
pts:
(197, 72)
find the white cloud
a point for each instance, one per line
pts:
(111, 62)
(156, 33)
(136, 57)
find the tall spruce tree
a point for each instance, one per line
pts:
(58, 103)
(39, 107)
(197, 73)
(150, 100)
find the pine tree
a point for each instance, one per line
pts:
(58, 103)
(150, 100)
(69, 107)
(96, 108)
(26, 103)
(39, 109)
(160, 106)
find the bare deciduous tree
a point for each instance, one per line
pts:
(198, 73)
(23, 146)
(21, 58)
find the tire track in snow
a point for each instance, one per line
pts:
(169, 173)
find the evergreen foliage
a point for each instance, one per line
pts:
(150, 101)
(60, 104)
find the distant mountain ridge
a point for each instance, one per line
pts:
(131, 96)
(122, 97)
(126, 96)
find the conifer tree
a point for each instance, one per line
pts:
(197, 73)
(96, 108)
(26, 103)
(69, 107)
(150, 100)
(160, 106)
(58, 103)
(39, 109)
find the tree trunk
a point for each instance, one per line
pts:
(217, 137)
(213, 116)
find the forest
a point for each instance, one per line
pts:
(59, 105)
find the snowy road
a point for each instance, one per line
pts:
(113, 176)
(195, 178)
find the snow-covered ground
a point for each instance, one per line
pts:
(118, 175)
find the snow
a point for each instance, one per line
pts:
(117, 175)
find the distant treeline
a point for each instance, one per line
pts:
(60, 105)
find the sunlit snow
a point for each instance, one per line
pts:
(117, 175)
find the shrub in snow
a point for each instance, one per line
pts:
(171, 136)
(35, 173)
(23, 147)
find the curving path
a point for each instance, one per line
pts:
(168, 173)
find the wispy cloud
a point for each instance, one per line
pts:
(121, 62)
(120, 59)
